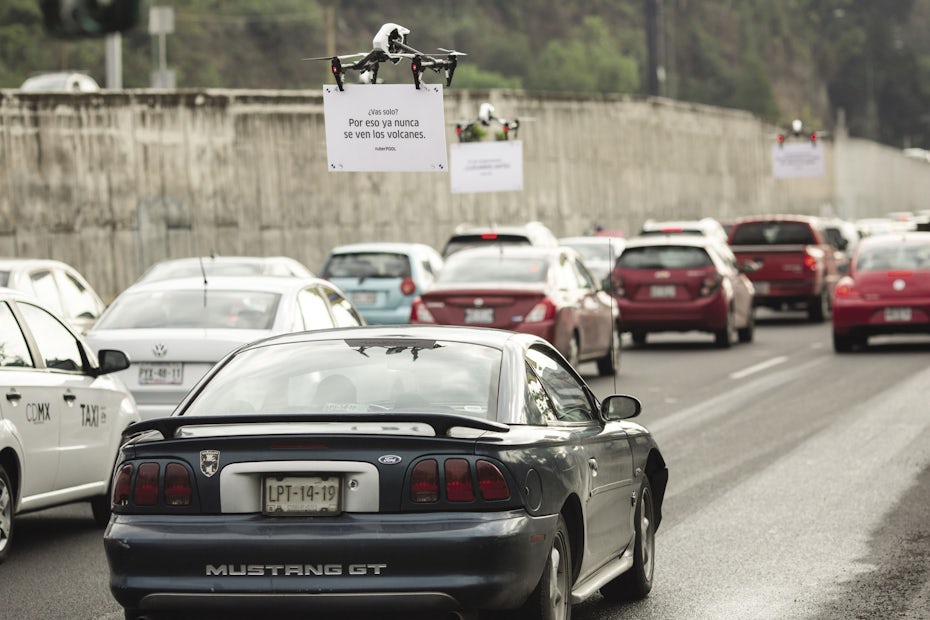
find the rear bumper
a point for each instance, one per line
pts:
(703, 314)
(776, 293)
(362, 562)
(869, 318)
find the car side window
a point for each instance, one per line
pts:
(78, 298)
(539, 408)
(14, 352)
(57, 346)
(569, 400)
(343, 310)
(314, 309)
(584, 276)
(44, 287)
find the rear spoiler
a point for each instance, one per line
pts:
(440, 422)
(775, 248)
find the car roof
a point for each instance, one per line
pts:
(538, 251)
(32, 263)
(895, 238)
(497, 338)
(12, 293)
(383, 246)
(271, 284)
(810, 219)
(591, 240)
(698, 241)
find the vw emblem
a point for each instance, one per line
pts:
(209, 462)
(159, 350)
(663, 275)
(389, 459)
(898, 285)
(479, 302)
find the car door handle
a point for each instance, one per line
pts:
(13, 396)
(592, 465)
(69, 397)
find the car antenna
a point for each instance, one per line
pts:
(611, 262)
(203, 272)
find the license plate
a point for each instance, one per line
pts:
(479, 315)
(662, 292)
(897, 315)
(363, 298)
(301, 495)
(161, 373)
(762, 288)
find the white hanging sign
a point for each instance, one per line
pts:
(486, 166)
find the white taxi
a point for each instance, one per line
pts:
(61, 414)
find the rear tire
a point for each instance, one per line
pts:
(551, 600)
(100, 507)
(636, 583)
(818, 308)
(609, 365)
(639, 337)
(747, 333)
(7, 501)
(841, 343)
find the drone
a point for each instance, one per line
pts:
(797, 131)
(471, 131)
(390, 44)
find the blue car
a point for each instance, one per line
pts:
(382, 279)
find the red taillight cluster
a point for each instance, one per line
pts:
(408, 286)
(543, 311)
(710, 284)
(145, 485)
(458, 481)
(419, 313)
(845, 289)
(811, 261)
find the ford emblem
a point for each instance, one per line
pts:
(389, 459)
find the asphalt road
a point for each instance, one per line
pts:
(799, 486)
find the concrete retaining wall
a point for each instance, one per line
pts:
(112, 182)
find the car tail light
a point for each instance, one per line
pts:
(491, 482)
(710, 284)
(459, 487)
(811, 262)
(146, 489)
(122, 485)
(846, 289)
(178, 490)
(489, 236)
(424, 483)
(543, 311)
(407, 286)
(419, 313)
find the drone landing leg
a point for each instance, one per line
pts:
(417, 69)
(338, 73)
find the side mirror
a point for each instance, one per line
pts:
(607, 284)
(112, 360)
(749, 267)
(620, 407)
(74, 19)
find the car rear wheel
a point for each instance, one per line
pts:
(724, 337)
(818, 308)
(6, 514)
(551, 600)
(636, 583)
(746, 334)
(639, 337)
(610, 364)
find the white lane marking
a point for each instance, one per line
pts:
(745, 372)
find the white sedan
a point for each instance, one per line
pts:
(176, 330)
(62, 414)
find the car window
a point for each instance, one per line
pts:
(584, 276)
(14, 352)
(44, 287)
(896, 256)
(494, 268)
(569, 400)
(664, 257)
(460, 242)
(57, 346)
(206, 309)
(314, 309)
(78, 299)
(539, 408)
(367, 265)
(772, 233)
(344, 312)
(357, 375)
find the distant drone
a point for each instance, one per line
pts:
(391, 44)
(471, 131)
(797, 131)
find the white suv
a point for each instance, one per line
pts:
(61, 415)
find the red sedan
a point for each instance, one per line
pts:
(545, 291)
(887, 290)
(683, 283)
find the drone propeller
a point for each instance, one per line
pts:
(451, 52)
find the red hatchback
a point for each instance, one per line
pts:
(545, 291)
(683, 283)
(887, 290)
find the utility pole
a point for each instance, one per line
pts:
(114, 60)
(654, 62)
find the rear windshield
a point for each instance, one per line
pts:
(664, 257)
(772, 233)
(493, 268)
(460, 242)
(897, 256)
(367, 265)
(593, 250)
(192, 309)
(355, 376)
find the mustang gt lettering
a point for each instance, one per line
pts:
(296, 570)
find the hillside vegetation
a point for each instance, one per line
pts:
(780, 59)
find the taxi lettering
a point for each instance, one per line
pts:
(91, 415)
(38, 413)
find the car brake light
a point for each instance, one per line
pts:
(543, 311)
(121, 486)
(459, 487)
(491, 482)
(900, 273)
(489, 236)
(845, 289)
(178, 490)
(710, 284)
(407, 286)
(146, 490)
(424, 482)
(419, 313)
(811, 261)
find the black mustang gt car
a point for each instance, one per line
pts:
(397, 469)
